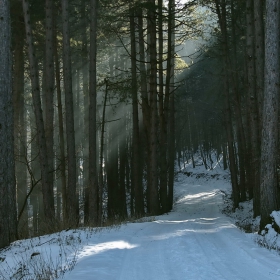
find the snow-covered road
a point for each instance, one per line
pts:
(194, 241)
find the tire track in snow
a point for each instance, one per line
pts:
(146, 261)
(222, 249)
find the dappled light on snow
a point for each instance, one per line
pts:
(176, 245)
(99, 248)
(192, 198)
(193, 241)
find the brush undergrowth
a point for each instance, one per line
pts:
(46, 258)
(49, 257)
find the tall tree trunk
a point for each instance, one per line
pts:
(144, 98)
(224, 148)
(78, 136)
(259, 82)
(8, 214)
(253, 109)
(171, 94)
(49, 88)
(72, 201)
(269, 145)
(136, 179)
(20, 122)
(85, 148)
(47, 187)
(143, 75)
(61, 134)
(242, 168)
(153, 192)
(171, 150)
(112, 177)
(94, 195)
(57, 178)
(34, 173)
(259, 54)
(163, 112)
(122, 182)
(244, 163)
(101, 159)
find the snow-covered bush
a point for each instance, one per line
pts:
(43, 258)
(270, 237)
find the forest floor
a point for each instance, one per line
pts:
(198, 239)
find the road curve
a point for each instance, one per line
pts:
(194, 241)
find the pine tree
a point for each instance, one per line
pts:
(72, 199)
(95, 195)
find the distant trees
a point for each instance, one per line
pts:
(47, 187)
(101, 109)
(94, 108)
(248, 100)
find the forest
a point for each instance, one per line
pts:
(99, 100)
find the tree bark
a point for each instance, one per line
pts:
(8, 216)
(244, 163)
(61, 134)
(85, 148)
(254, 147)
(122, 171)
(153, 192)
(170, 93)
(72, 201)
(145, 106)
(136, 179)
(163, 113)
(20, 130)
(259, 86)
(94, 195)
(259, 54)
(49, 87)
(269, 145)
(101, 159)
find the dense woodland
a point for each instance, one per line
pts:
(99, 102)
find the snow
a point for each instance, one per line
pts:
(276, 217)
(269, 237)
(194, 241)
